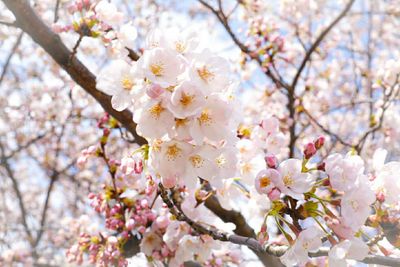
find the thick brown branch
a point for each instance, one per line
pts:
(30, 23)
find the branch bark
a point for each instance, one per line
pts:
(29, 22)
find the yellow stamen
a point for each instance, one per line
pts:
(265, 181)
(173, 152)
(127, 84)
(157, 69)
(221, 160)
(205, 117)
(180, 122)
(205, 74)
(180, 47)
(156, 111)
(186, 99)
(288, 180)
(196, 161)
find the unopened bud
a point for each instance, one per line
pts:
(154, 91)
(319, 142)
(380, 196)
(321, 166)
(274, 194)
(309, 150)
(272, 161)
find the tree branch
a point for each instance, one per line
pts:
(30, 23)
(4, 162)
(319, 39)
(253, 243)
(8, 60)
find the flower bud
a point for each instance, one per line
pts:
(272, 161)
(319, 142)
(138, 167)
(321, 166)
(274, 194)
(380, 196)
(106, 132)
(154, 91)
(309, 150)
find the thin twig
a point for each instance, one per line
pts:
(12, 52)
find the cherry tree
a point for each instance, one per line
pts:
(199, 133)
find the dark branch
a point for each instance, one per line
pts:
(8, 60)
(30, 23)
(319, 39)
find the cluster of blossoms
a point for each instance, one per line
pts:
(335, 192)
(267, 44)
(181, 97)
(131, 211)
(100, 20)
(183, 106)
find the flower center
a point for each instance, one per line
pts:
(221, 161)
(288, 180)
(157, 145)
(196, 161)
(265, 181)
(205, 74)
(173, 152)
(180, 47)
(157, 69)
(205, 117)
(180, 122)
(247, 168)
(156, 110)
(127, 84)
(354, 204)
(186, 99)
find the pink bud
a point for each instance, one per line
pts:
(309, 151)
(319, 142)
(106, 132)
(138, 167)
(380, 196)
(272, 161)
(274, 194)
(86, 3)
(79, 6)
(321, 166)
(154, 91)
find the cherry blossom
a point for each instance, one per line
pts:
(354, 249)
(211, 132)
(308, 240)
(119, 80)
(356, 205)
(343, 171)
(293, 181)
